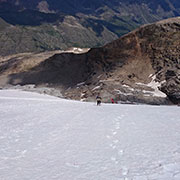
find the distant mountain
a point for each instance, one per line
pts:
(91, 7)
(36, 25)
(142, 66)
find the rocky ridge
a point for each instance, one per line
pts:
(140, 67)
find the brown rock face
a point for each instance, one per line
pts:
(132, 68)
(172, 85)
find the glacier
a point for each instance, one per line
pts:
(48, 138)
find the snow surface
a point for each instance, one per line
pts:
(76, 50)
(46, 138)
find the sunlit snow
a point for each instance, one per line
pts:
(46, 138)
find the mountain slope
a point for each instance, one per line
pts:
(132, 68)
(98, 22)
(31, 35)
(90, 7)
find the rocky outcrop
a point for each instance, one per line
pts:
(140, 67)
(172, 86)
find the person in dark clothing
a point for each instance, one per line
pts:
(98, 99)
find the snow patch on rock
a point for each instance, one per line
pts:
(154, 85)
(77, 50)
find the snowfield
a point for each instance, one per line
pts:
(46, 138)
